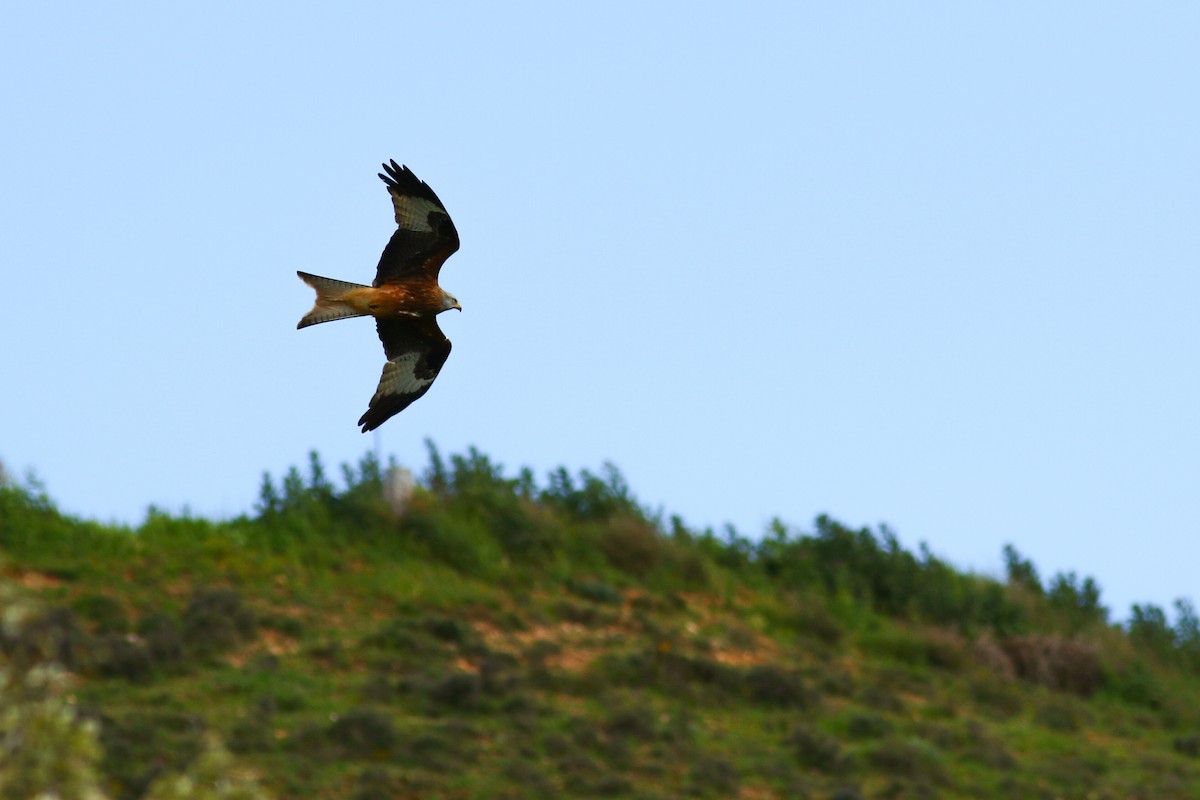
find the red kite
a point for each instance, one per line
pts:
(405, 298)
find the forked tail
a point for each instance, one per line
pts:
(329, 305)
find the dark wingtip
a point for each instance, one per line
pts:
(394, 171)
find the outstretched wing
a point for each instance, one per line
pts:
(425, 236)
(415, 349)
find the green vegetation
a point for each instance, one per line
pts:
(505, 638)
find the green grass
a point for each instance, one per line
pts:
(509, 640)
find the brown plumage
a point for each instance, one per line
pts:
(405, 297)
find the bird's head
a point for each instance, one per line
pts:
(449, 301)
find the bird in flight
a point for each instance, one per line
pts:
(405, 298)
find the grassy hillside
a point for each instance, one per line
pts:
(507, 638)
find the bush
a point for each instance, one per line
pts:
(447, 629)
(1139, 685)
(816, 751)
(867, 726)
(362, 733)
(881, 697)
(375, 783)
(52, 635)
(998, 697)
(1188, 745)
(105, 613)
(596, 591)
(587, 615)
(987, 653)
(594, 498)
(712, 776)
(983, 748)
(163, 638)
(1069, 665)
(846, 793)
(115, 656)
(457, 539)
(909, 758)
(636, 722)
(458, 690)
(816, 621)
(925, 648)
(139, 746)
(632, 545)
(253, 734)
(46, 749)
(216, 620)
(772, 686)
(533, 783)
(1060, 715)
(211, 775)
(1078, 601)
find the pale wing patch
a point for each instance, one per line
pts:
(399, 378)
(412, 213)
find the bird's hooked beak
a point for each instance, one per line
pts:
(456, 305)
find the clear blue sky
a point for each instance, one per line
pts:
(932, 264)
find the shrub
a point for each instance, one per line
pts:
(882, 697)
(580, 614)
(580, 772)
(211, 775)
(846, 793)
(631, 545)
(816, 621)
(637, 722)
(46, 749)
(711, 776)
(779, 688)
(867, 726)
(986, 749)
(163, 638)
(910, 758)
(458, 690)
(216, 620)
(1078, 601)
(531, 780)
(1139, 685)
(375, 783)
(835, 681)
(918, 648)
(1148, 628)
(673, 672)
(362, 733)
(253, 734)
(594, 498)
(1069, 665)
(139, 746)
(105, 613)
(1060, 715)
(815, 750)
(51, 635)
(1020, 570)
(987, 653)
(497, 674)
(455, 538)
(447, 629)
(1188, 745)
(596, 591)
(997, 697)
(116, 656)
